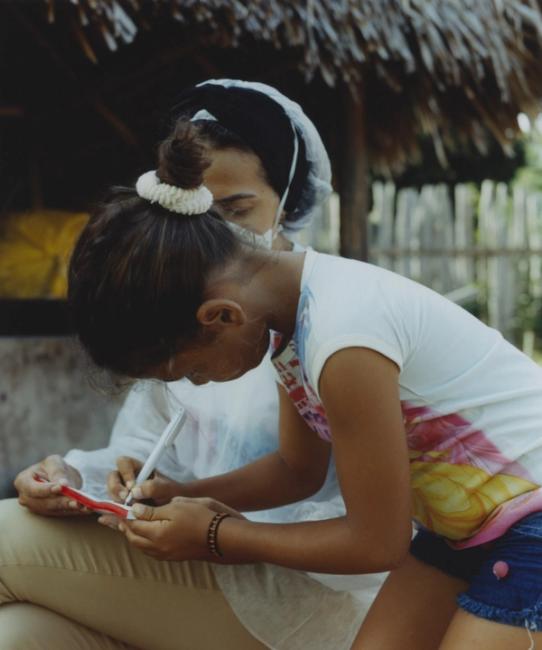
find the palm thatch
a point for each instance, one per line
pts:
(454, 70)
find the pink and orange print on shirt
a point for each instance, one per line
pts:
(463, 488)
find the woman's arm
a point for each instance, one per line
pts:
(359, 389)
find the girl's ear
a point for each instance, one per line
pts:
(218, 313)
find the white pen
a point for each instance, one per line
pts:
(166, 439)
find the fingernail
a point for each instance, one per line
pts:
(73, 504)
(138, 509)
(129, 484)
(136, 493)
(123, 494)
(122, 528)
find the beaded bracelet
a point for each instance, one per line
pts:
(213, 532)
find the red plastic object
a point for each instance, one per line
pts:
(102, 507)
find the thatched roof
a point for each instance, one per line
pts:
(449, 69)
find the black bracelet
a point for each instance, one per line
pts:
(212, 533)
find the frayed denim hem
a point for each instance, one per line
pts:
(529, 618)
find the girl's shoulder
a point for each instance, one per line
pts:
(343, 293)
(355, 279)
(346, 304)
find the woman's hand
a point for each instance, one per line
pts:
(160, 489)
(176, 531)
(46, 498)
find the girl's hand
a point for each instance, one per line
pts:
(46, 498)
(177, 531)
(159, 488)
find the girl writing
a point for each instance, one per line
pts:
(431, 415)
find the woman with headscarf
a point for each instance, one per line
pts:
(83, 586)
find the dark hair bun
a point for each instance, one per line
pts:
(182, 157)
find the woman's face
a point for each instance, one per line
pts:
(237, 181)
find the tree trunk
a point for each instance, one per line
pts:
(354, 180)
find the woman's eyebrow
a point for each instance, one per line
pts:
(236, 197)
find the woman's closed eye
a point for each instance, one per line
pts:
(235, 211)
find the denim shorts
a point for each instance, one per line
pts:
(515, 599)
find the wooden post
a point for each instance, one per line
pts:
(354, 179)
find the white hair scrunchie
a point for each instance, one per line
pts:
(176, 199)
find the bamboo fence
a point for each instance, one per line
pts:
(481, 247)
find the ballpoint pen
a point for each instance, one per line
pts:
(167, 438)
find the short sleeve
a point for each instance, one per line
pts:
(348, 304)
(323, 351)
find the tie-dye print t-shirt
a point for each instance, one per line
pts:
(471, 402)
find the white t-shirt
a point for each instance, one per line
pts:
(471, 402)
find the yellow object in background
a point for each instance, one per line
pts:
(35, 249)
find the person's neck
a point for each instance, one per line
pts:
(279, 285)
(267, 285)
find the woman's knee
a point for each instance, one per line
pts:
(12, 538)
(17, 629)
(24, 626)
(9, 508)
(27, 541)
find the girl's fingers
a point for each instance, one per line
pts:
(115, 486)
(143, 491)
(147, 529)
(142, 529)
(146, 513)
(142, 543)
(149, 489)
(143, 512)
(149, 521)
(158, 487)
(128, 469)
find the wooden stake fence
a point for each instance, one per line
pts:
(482, 247)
